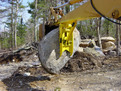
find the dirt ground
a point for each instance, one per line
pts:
(92, 75)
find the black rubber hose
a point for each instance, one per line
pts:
(102, 14)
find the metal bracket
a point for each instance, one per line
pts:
(66, 37)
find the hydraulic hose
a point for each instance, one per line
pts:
(91, 1)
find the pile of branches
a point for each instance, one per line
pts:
(7, 56)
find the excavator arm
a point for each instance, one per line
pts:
(108, 8)
(90, 9)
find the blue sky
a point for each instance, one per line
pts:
(25, 14)
(25, 1)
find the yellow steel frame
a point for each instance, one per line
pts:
(66, 37)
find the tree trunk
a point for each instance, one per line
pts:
(91, 28)
(35, 22)
(107, 30)
(15, 30)
(0, 45)
(98, 32)
(118, 39)
(12, 27)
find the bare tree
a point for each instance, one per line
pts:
(98, 32)
(15, 27)
(12, 25)
(118, 38)
(35, 22)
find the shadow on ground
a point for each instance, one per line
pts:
(19, 82)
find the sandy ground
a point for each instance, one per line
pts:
(30, 76)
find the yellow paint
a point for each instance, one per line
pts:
(74, 1)
(109, 8)
(66, 37)
(86, 11)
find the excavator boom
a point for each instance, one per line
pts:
(90, 9)
(109, 8)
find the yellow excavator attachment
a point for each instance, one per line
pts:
(66, 37)
(84, 12)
